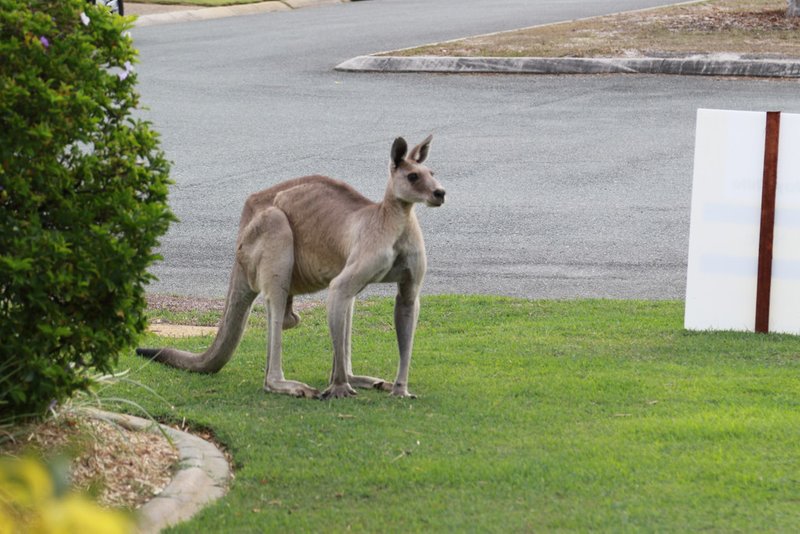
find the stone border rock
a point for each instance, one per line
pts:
(192, 13)
(693, 65)
(203, 476)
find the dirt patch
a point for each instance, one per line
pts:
(716, 18)
(176, 303)
(199, 307)
(748, 28)
(119, 467)
(182, 330)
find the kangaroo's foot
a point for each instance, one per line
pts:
(401, 390)
(291, 387)
(339, 391)
(369, 382)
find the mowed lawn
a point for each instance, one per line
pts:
(532, 416)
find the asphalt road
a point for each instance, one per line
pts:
(558, 187)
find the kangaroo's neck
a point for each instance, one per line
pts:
(396, 214)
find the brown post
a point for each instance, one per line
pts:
(764, 284)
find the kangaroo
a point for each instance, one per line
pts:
(309, 233)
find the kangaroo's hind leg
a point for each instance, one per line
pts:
(271, 249)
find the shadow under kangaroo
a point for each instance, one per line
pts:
(309, 233)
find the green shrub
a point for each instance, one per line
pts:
(83, 189)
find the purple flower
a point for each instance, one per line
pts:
(128, 69)
(44, 41)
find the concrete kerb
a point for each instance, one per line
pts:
(203, 476)
(708, 65)
(207, 13)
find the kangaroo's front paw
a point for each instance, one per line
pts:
(383, 385)
(369, 382)
(402, 391)
(307, 393)
(338, 391)
(290, 320)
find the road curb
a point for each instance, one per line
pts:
(209, 13)
(203, 476)
(694, 65)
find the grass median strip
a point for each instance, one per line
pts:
(202, 3)
(533, 415)
(744, 27)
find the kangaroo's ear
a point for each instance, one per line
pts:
(399, 149)
(420, 152)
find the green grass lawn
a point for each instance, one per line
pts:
(532, 416)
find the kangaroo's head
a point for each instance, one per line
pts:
(409, 180)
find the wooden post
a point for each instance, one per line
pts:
(764, 283)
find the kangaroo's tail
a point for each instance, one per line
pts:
(234, 318)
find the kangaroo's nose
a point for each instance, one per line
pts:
(439, 194)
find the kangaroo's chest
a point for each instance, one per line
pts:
(407, 259)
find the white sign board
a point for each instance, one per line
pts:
(725, 223)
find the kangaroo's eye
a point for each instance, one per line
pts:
(413, 177)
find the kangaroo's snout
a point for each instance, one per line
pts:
(438, 195)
